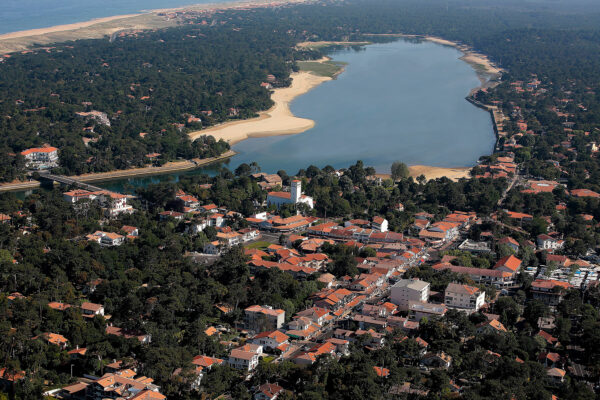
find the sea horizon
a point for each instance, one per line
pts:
(23, 15)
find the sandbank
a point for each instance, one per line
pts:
(276, 121)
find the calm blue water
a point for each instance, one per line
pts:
(396, 101)
(19, 15)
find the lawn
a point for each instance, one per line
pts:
(261, 245)
(327, 68)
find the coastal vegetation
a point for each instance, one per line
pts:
(328, 68)
(153, 286)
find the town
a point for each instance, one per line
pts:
(374, 287)
(323, 283)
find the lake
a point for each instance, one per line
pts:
(403, 100)
(400, 101)
(19, 15)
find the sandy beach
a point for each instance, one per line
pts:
(434, 172)
(101, 27)
(471, 57)
(438, 172)
(278, 120)
(62, 28)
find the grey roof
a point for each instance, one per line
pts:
(414, 284)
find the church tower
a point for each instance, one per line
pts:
(296, 191)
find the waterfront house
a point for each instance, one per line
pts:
(41, 158)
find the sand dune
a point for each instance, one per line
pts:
(63, 28)
(279, 120)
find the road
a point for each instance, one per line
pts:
(510, 186)
(124, 173)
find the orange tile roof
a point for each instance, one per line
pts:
(54, 338)
(511, 262)
(206, 361)
(282, 195)
(39, 150)
(584, 193)
(58, 306)
(80, 351)
(264, 310)
(11, 376)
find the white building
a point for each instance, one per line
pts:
(106, 238)
(263, 318)
(294, 196)
(92, 309)
(76, 195)
(546, 242)
(41, 158)
(245, 357)
(380, 224)
(463, 297)
(114, 203)
(213, 248)
(419, 310)
(271, 339)
(409, 290)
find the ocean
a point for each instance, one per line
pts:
(19, 15)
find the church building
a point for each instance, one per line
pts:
(294, 196)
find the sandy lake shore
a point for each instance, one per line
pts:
(276, 121)
(434, 172)
(477, 60)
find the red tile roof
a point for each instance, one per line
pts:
(511, 262)
(39, 150)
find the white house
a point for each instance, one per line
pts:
(263, 318)
(115, 203)
(380, 224)
(270, 339)
(294, 196)
(76, 195)
(463, 297)
(106, 238)
(41, 158)
(418, 310)
(245, 357)
(409, 290)
(268, 391)
(92, 309)
(213, 248)
(546, 242)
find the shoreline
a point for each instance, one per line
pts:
(97, 28)
(169, 167)
(64, 28)
(277, 121)
(237, 131)
(452, 173)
